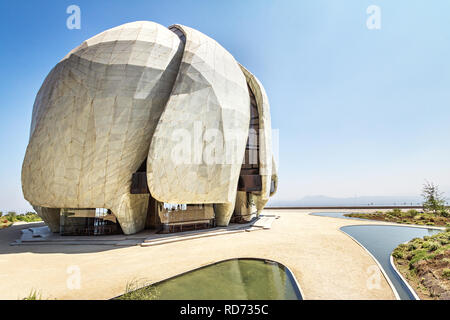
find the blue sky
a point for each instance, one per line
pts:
(359, 112)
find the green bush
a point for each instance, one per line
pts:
(444, 213)
(398, 254)
(426, 244)
(412, 213)
(434, 246)
(27, 217)
(34, 295)
(11, 216)
(446, 273)
(418, 255)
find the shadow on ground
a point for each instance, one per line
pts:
(13, 233)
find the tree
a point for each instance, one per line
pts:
(11, 216)
(434, 200)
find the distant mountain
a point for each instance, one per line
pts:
(321, 200)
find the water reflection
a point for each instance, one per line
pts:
(241, 279)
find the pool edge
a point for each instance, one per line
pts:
(412, 291)
(391, 285)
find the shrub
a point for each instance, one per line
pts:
(434, 246)
(446, 273)
(419, 255)
(412, 213)
(444, 213)
(398, 254)
(34, 295)
(11, 216)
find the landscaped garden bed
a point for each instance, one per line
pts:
(11, 217)
(4, 223)
(408, 217)
(425, 264)
(434, 213)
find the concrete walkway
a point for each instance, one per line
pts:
(326, 262)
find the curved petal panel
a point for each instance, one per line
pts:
(94, 117)
(265, 136)
(198, 147)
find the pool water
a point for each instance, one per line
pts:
(381, 241)
(334, 215)
(236, 279)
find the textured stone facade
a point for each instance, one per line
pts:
(130, 95)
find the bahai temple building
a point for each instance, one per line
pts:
(143, 126)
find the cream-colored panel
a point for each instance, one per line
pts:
(94, 117)
(198, 147)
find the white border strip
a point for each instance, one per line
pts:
(403, 279)
(379, 265)
(295, 279)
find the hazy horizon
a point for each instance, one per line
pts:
(358, 112)
(319, 200)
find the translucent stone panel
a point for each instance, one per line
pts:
(94, 118)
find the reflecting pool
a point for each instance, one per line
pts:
(241, 279)
(381, 241)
